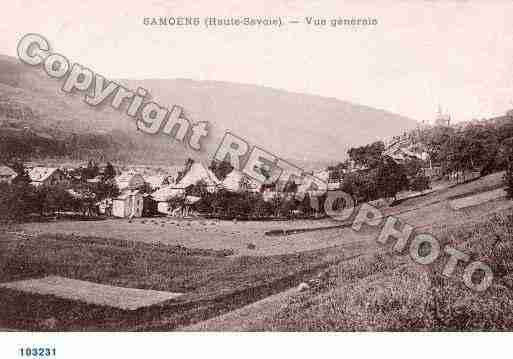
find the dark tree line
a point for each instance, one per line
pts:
(252, 205)
(19, 200)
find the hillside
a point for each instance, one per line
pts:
(306, 129)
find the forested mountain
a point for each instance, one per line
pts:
(305, 129)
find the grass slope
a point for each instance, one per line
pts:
(213, 282)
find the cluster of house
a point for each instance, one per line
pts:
(145, 194)
(140, 194)
(235, 181)
(129, 202)
(7, 174)
(38, 175)
(134, 203)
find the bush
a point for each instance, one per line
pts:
(508, 180)
(245, 205)
(508, 176)
(16, 201)
(390, 178)
(419, 183)
(19, 200)
(360, 185)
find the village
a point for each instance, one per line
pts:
(401, 167)
(173, 191)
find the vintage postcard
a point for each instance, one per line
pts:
(180, 167)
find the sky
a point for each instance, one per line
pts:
(421, 54)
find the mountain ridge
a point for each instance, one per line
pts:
(295, 126)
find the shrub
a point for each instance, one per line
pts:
(508, 181)
(508, 176)
(245, 204)
(419, 183)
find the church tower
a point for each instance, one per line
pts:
(442, 119)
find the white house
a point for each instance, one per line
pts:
(128, 204)
(7, 174)
(196, 173)
(323, 175)
(129, 180)
(155, 182)
(163, 195)
(48, 176)
(237, 181)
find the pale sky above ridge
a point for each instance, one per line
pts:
(421, 54)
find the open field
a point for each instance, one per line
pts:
(477, 199)
(224, 279)
(384, 291)
(92, 293)
(211, 234)
(212, 282)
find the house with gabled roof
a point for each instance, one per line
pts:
(128, 204)
(129, 180)
(196, 173)
(7, 174)
(48, 176)
(237, 181)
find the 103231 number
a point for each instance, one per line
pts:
(37, 352)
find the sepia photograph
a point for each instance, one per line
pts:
(298, 171)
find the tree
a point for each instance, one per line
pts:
(482, 145)
(92, 170)
(336, 173)
(390, 178)
(361, 185)
(261, 208)
(276, 203)
(198, 189)
(204, 205)
(22, 173)
(17, 201)
(221, 168)
(145, 188)
(290, 186)
(367, 156)
(187, 166)
(49, 199)
(240, 204)
(109, 172)
(508, 176)
(287, 206)
(305, 205)
(167, 181)
(473, 147)
(104, 189)
(413, 167)
(176, 202)
(419, 183)
(87, 195)
(433, 139)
